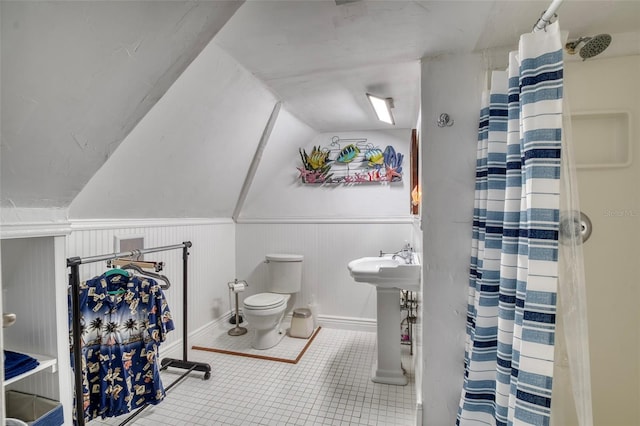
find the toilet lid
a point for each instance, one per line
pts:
(264, 301)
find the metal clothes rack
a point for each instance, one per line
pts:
(74, 281)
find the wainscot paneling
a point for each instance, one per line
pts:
(211, 262)
(327, 247)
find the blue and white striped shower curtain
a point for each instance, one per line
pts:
(514, 261)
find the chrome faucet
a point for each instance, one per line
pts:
(406, 253)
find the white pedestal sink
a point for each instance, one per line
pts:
(389, 275)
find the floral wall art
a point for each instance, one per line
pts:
(350, 161)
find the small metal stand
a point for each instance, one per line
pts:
(237, 330)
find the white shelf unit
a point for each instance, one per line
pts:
(34, 288)
(45, 363)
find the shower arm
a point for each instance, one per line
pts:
(571, 46)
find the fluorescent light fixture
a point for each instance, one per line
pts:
(382, 107)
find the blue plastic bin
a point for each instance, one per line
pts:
(34, 409)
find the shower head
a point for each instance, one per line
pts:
(592, 45)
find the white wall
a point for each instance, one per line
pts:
(418, 343)
(278, 193)
(270, 191)
(188, 157)
(329, 224)
(327, 248)
(451, 84)
(211, 262)
(600, 92)
(2, 409)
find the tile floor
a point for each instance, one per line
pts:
(329, 386)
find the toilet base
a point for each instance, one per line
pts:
(265, 339)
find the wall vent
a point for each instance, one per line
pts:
(341, 2)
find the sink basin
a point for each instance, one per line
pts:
(386, 272)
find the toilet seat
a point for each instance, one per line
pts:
(264, 301)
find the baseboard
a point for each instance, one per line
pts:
(348, 323)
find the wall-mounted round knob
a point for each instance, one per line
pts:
(575, 224)
(8, 320)
(445, 120)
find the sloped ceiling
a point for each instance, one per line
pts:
(322, 56)
(78, 76)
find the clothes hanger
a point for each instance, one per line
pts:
(148, 274)
(115, 271)
(157, 266)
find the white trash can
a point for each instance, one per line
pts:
(301, 323)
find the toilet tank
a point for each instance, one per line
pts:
(285, 272)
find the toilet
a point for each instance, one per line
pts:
(265, 311)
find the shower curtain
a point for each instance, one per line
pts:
(509, 355)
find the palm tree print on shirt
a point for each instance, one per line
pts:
(130, 325)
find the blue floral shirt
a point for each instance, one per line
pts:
(123, 320)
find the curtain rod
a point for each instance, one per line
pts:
(545, 19)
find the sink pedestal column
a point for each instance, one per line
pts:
(388, 368)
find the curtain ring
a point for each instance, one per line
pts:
(546, 21)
